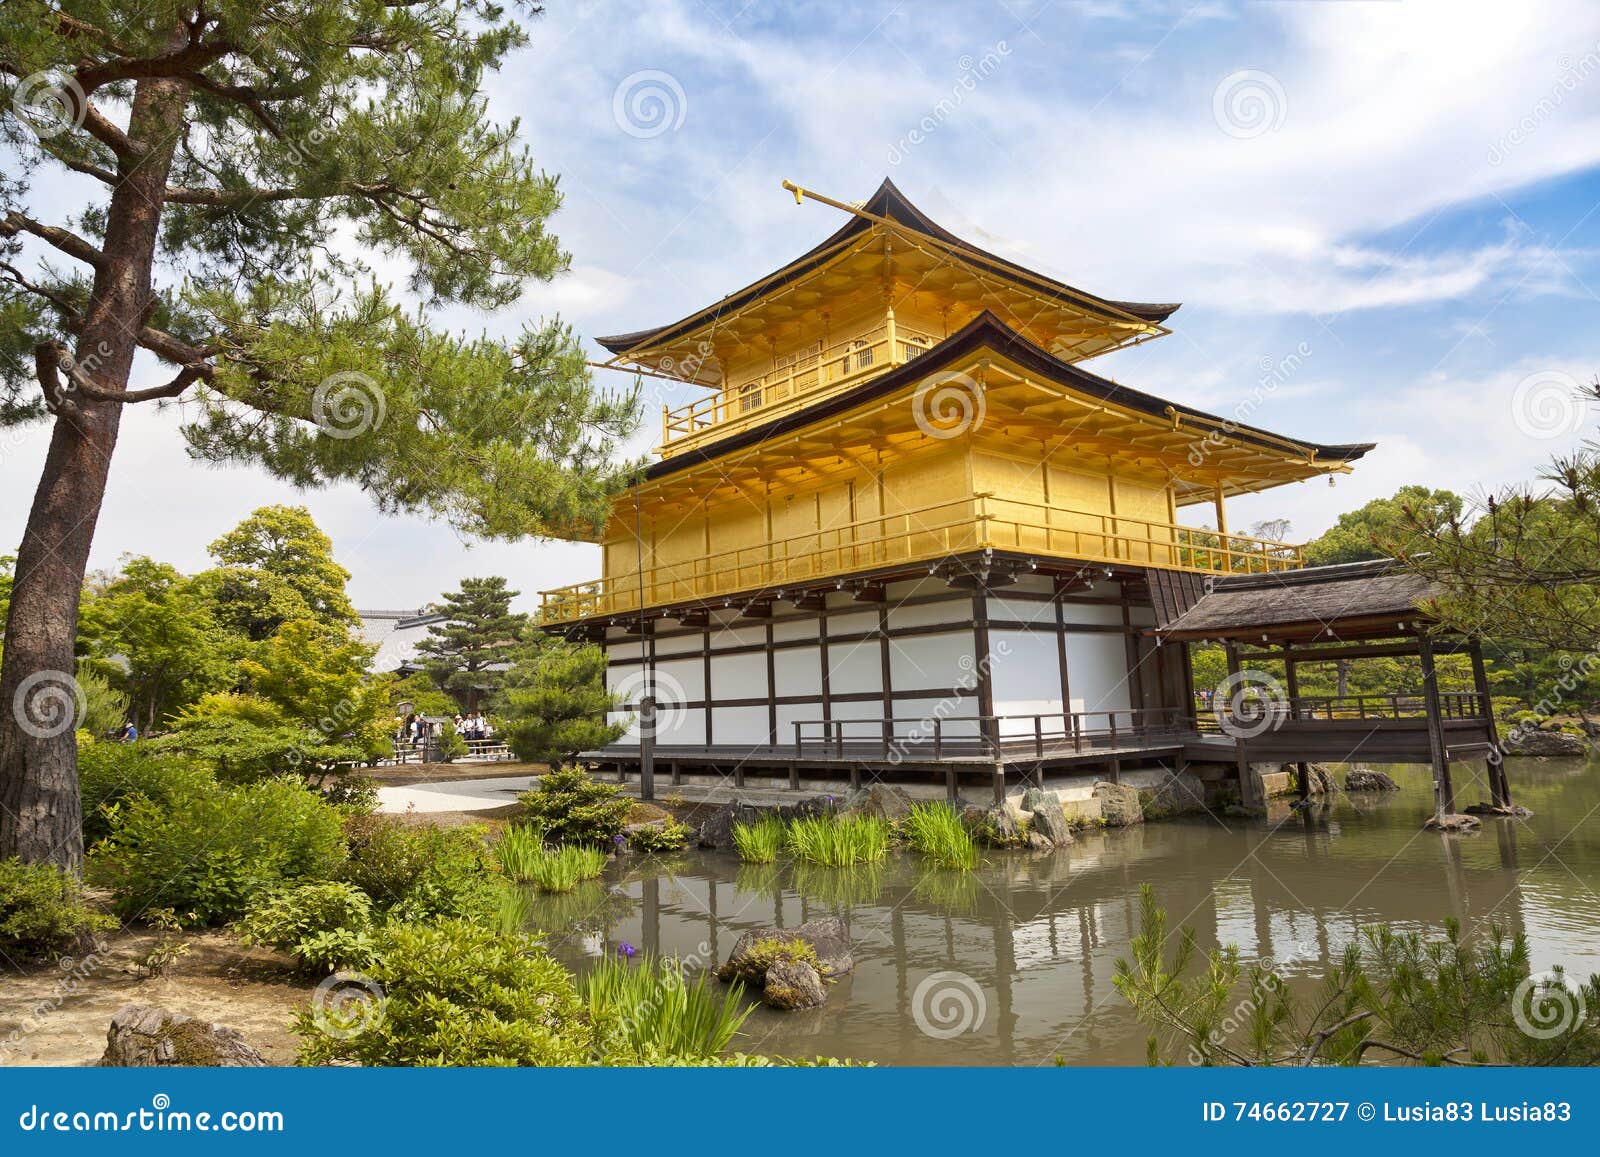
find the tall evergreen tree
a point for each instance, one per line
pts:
(468, 654)
(226, 149)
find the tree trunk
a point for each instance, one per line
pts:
(41, 811)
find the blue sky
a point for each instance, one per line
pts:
(1407, 193)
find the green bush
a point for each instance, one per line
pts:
(110, 774)
(452, 993)
(451, 746)
(325, 926)
(416, 873)
(671, 836)
(573, 808)
(208, 854)
(42, 912)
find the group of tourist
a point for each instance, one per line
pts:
(474, 726)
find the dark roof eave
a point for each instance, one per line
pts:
(984, 330)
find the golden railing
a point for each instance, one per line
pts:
(785, 387)
(930, 532)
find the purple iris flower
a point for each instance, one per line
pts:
(626, 950)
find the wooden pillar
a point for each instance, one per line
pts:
(1222, 514)
(1291, 682)
(1241, 756)
(1499, 785)
(1444, 793)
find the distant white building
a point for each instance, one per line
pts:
(396, 635)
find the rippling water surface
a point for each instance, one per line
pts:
(1012, 964)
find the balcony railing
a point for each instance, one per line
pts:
(930, 532)
(785, 387)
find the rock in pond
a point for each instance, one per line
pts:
(1509, 810)
(1050, 822)
(994, 827)
(1452, 822)
(880, 800)
(1119, 804)
(828, 937)
(793, 984)
(1535, 741)
(1366, 779)
(143, 1036)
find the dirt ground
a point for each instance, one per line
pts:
(409, 774)
(58, 1014)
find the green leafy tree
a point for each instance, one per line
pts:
(468, 654)
(274, 567)
(558, 704)
(1384, 527)
(152, 631)
(225, 151)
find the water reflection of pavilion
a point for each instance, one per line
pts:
(1040, 936)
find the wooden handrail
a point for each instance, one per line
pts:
(916, 535)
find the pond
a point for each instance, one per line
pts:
(1012, 964)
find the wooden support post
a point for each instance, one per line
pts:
(950, 787)
(1242, 759)
(794, 777)
(855, 777)
(1305, 780)
(1444, 793)
(676, 772)
(1499, 785)
(738, 775)
(999, 778)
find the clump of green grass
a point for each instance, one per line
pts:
(562, 869)
(838, 843)
(661, 1013)
(519, 852)
(760, 842)
(937, 833)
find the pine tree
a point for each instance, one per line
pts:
(228, 153)
(468, 654)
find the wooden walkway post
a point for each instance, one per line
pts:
(1499, 785)
(1444, 793)
(1246, 792)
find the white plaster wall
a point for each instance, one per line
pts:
(1097, 673)
(678, 645)
(798, 671)
(681, 725)
(1094, 614)
(740, 636)
(788, 713)
(742, 676)
(680, 680)
(739, 724)
(932, 662)
(1025, 677)
(852, 622)
(787, 631)
(1022, 610)
(930, 614)
(855, 667)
